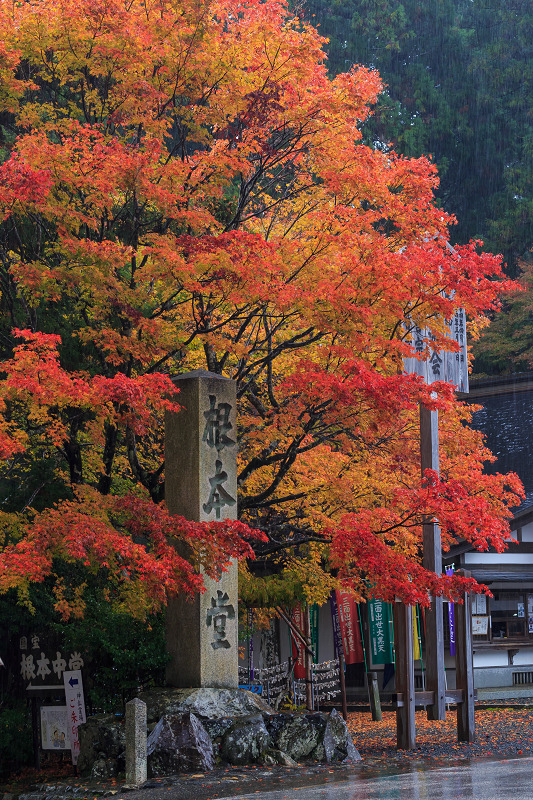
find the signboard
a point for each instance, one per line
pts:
(480, 626)
(349, 627)
(54, 728)
(42, 665)
(441, 365)
(251, 687)
(75, 705)
(379, 616)
(479, 604)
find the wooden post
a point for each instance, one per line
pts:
(373, 696)
(343, 686)
(432, 560)
(309, 701)
(405, 676)
(36, 726)
(466, 723)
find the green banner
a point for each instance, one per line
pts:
(313, 616)
(379, 617)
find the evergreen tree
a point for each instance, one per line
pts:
(459, 87)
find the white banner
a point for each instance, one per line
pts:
(441, 365)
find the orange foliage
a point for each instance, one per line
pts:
(187, 188)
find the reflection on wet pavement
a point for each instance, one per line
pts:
(482, 780)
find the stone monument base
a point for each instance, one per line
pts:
(193, 730)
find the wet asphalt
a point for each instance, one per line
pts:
(501, 780)
(508, 779)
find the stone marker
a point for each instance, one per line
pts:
(136, 755)
(201, 485)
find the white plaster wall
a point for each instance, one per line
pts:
(498, 558)
(491, 658)
(524, 657)
(527, 532)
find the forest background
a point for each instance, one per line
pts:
(458, 87)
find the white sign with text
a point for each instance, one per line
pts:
(75, 704)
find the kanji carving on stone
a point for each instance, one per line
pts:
(217, 615)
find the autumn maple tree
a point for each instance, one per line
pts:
(184, 186)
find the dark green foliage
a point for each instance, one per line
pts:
(121, 654)
(507, 345)
(15, 739)
(459, 77)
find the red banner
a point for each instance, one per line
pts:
(350, 630)
(298, 618)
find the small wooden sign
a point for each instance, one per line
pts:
(480, 625)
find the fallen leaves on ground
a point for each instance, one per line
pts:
(499, 732)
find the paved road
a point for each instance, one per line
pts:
(481, 780)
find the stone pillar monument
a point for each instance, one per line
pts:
(201, 485)
(136, 756)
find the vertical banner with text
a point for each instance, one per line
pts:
(350, 630)
(379, 616)
(416, 636)
(451, 618)
(298, 618)
(336, 623)
(313, 616)
(251, 671)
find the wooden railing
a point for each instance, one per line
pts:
(452, 697)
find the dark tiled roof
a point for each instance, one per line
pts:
(507, 422)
